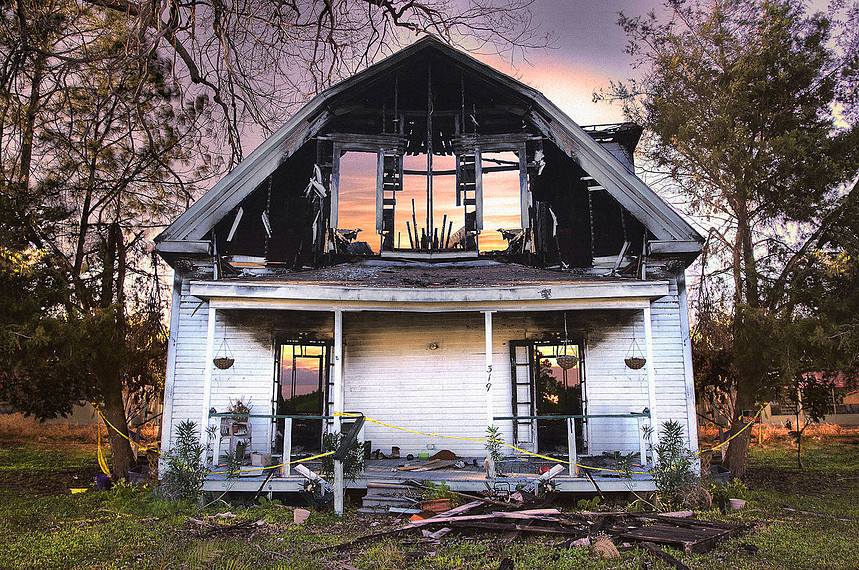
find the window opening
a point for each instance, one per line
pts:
(411, 219)
(560, 391)
(356, 204)
(501, 199)
(300, 390)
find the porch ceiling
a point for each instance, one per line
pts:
(430, 287)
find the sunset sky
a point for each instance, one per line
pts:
(588, 53)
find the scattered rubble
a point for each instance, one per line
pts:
(606, 533)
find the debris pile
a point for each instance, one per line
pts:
(606, 533)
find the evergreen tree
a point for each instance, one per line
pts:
(750, 110)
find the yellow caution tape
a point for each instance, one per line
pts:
(145, 448)
(485, 440)
(745, 427)
(101, 462)
(311, 458)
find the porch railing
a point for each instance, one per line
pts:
(638, 417)
(570, 420)
(287, 433)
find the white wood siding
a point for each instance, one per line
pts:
(250, 337)
(392, 375)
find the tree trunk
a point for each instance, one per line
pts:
(738, 449)
(114, 411)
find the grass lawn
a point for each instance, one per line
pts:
(45, 526)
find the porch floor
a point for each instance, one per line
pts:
(469, 479)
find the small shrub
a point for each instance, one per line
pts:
(186, 470)
(494, 444)
(441, 491)
(673, 462)
(353, 463)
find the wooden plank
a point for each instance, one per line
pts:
(661, 554)
(494, 526)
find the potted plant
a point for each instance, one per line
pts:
(240, 409)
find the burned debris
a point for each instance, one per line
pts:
(606, 533)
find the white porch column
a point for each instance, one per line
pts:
(490, 408)
(207, 377)
(651, 374)
(685, 329)
(338, 406)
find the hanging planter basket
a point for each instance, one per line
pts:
(225, 360)
(634, 358)
(567, 361)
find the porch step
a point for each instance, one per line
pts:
(383, 496)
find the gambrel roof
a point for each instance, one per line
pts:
(187, 234)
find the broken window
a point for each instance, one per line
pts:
(356, 206)
(502, 208)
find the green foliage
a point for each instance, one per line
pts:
(673, 462)
(811, 396)
(441, 491)
(494, 443)
(734, 489)
(186, 470)
(98, 530)
(353, 463)
(750, 110)
(588, 504)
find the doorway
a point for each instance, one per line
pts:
(301, 384)
(547, 389)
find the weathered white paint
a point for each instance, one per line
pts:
(422, 307)
(686, 333)
(487, 349)
(623, 291)
(207, 374)
(337, 354)
(651, 375)
(391, 374)
(170, 372)
(572, 452)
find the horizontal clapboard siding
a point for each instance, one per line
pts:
(391, 374)
(250, 339)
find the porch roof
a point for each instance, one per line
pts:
(397, 286)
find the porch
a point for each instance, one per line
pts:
(467, 474)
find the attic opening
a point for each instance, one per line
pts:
(430, 160)
(502, 200)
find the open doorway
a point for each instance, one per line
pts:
(543, 388)
(300, 390)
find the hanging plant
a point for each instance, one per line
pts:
(225, 359)
(566, 361)
(634, 357)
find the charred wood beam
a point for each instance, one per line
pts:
(453, 172)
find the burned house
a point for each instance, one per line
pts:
(438, 247)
